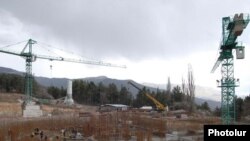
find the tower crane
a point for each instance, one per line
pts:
(30, 57)
(158, 104)
(232, 27)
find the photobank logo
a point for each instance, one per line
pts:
(215, 132)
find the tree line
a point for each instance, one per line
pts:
(85, 92)
(90, 93)
(13, 83)
(178, 97)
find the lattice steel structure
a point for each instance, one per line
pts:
(30, 57)
(232, 27)
(28, 75)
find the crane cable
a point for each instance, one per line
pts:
(51, 76)
(49, 50)
(51, 63)
(45, 47)
(13, 44)
(67, 52)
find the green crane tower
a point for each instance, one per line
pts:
(232, 27)
(28, 75)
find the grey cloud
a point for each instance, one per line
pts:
(132, 29)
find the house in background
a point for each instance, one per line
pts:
(113, 107)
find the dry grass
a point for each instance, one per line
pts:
(21, 129)
(194, 124)
(103, 127)
(10, 109)
(10, 97)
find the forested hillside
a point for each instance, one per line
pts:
(96, 93)
(14, 83)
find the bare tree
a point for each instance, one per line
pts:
(191, 87)
(169, 92)
(184, 89)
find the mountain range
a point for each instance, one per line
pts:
(203, 94)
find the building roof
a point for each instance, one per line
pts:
(146, 107)
(116, 105)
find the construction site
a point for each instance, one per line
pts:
(171, 115)
(63, 123)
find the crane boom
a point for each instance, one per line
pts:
(10, 52)
(53, 58)
(158, 105)
(83, 61)
(156, 102)
(29, 57)
(217, 64)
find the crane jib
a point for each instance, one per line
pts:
(29, 57)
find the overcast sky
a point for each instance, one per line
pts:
(155, 39)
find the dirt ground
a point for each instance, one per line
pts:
(128, 125)
(10, 106)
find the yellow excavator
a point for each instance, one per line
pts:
(158, 104)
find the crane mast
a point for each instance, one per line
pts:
(28, 75)
(30, 57)
(232, 27)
